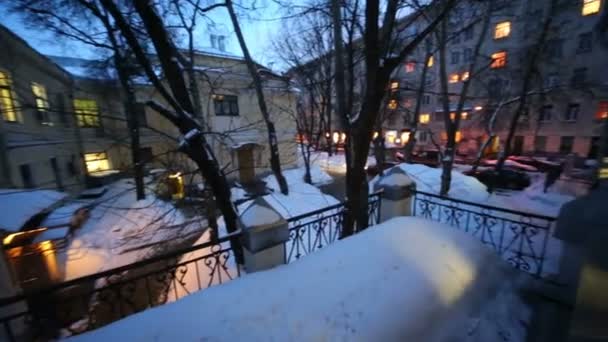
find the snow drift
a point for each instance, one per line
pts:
(404, 280)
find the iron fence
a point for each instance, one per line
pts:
(90, 302)
(518, 237)
(315, 230)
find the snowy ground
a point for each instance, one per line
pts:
(335, 163)
(122, 230)
(446, 286)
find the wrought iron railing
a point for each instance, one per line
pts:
(315, 230)
(92, 301)
(518, 237)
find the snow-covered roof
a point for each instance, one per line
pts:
(85, 68)
(19, 205)
(52, 234)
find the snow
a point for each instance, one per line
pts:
(428, 179)
(122, 230)
(18, 206)
(52, 234)
(257, 215)
(334, 163)
(104, 173)
(396, 179)
(62, 216)
(445, 286)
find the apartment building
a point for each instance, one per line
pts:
(570, 88)
(40, 144)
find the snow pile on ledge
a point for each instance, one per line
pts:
(428, 179)
(18, 205)
(407, 279)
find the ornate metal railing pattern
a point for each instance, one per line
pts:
(520, 238)
(315, 230)
(89, 302)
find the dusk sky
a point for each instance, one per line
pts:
(258, 30)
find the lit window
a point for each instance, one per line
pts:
(410, 67)
(336, 137)
(394, 85)
(87, 113)
(390, 136)
(464, 115)
(425, 118)
(602, 110)
(458, 136)
(392, 104)
(591, 7)
(465, 76)
(405, 137)
(430, 62)
(502, 30)
(499, 60)
(42, 103)
(454, 78)
(8, 102)
(96, 162)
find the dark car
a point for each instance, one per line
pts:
(373, 170)
(508, 179)
(429, 158)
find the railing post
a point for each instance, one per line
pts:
(398, 191)
(265, 232)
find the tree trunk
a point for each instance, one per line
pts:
(275, 162)
(411, 143)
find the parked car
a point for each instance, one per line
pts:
(373, 170)
(508, 179)
(429, 158)
(540, 165)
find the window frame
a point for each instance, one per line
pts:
(564, 138)
(7, 93)
(230, 100)
(41, 100)
(591, 7)
(86, 116)
(502, 30)
(499, 62)
(426, 120)
(567, 114)
(543, 111)
(101, 153)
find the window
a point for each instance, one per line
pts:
(426, 99)
(502, 30)
(394, 85)
(140, 111)
(565, 145)
(456, 38)
(8, 102)
(572, 112)
(218, 42)
(454, 78)
(590, 7)
(455, 57)
(458, 136)
(26, 176)
(430, 62)
(469, 32)
(465, 76)
(594, 148)
(499, 60)
(410, 67)
(96, 162)
(554, 48)
(602, 110)
(392, 104)
(540, 143)
(390, 136)
(545, 113)
(87, 113)
(225, 105)
(468, 55)
(423, 137)
(585, 42)
(42, 104)
(464, 115)
(60, 109)
(425, 118)
(579, 77)
(552, 80)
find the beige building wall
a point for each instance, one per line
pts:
(39, 150)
